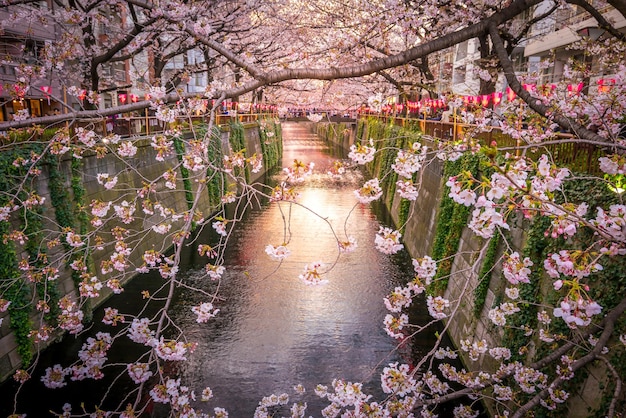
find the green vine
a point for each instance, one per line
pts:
(403, 213)
(12, 287)
(237, 139)
(484, 277)
(451, 221)
(271, 145)
(179, 147)
(216, 184)
(81, 218)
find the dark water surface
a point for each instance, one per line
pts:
(273, 331)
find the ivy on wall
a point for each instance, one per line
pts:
(270, 134)
(237, 139)
(179, 146)
(484, 277)
(216, 184)
(13, 287)
(607, 287)
(451, 220)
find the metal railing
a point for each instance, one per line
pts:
(127, 126)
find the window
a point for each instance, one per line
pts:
(461, 51)
(458, 75)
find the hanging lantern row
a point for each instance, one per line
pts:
(484, 100)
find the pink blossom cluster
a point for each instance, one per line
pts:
(410, 161)
(179, 398)
(577, 312)
(474, 380)
(498, 314)
(344, 394)
(163, 146)
(362, 154)
(515, 269)
(397, 379)
(126, 149)
(277, 252)
(387, 241)
(571, 263)
(234, 161)
(436, 306)
(312, 275)
(124, 211)
(215, 272)
(529, 379)
(407, 189)
(474, 348)
(347, 246)
(283, 193)
(93, 356)
(369, 192)
(298, 171)
(139, 372)
(400, 298)
(205, 311)
(71, 316)
(394, 326)
(106, 180)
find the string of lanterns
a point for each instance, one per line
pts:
(485, 100)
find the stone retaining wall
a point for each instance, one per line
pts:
(143, 163)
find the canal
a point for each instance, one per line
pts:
(273, 331)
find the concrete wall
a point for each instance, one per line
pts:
(418, 238)
(149, 169)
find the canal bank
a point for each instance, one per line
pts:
(69, 185)
(273, 331)
(470, 274)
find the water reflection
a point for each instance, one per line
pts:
(274, 331)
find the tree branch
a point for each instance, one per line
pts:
(534, 103)
(602, 22)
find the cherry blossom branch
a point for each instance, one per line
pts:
(602, 22)
(273, 77)
(609, 326)
(534, 103)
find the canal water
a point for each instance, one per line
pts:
(273, 331)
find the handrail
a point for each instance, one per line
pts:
(127, 126)
(581, 157)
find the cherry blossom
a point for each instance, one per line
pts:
(362, 154)
(205, 311)
(369, 192)
(436, 306)
(387, 241)
(279, 252)
(312, 274)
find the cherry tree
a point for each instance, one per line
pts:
(348, 50)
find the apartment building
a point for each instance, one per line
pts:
(20, 47)
(554, 37)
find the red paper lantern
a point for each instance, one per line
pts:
(497, 98)
(574, 88)
(605, 84)
(122, 98)
(510, 94)
(47, 90)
